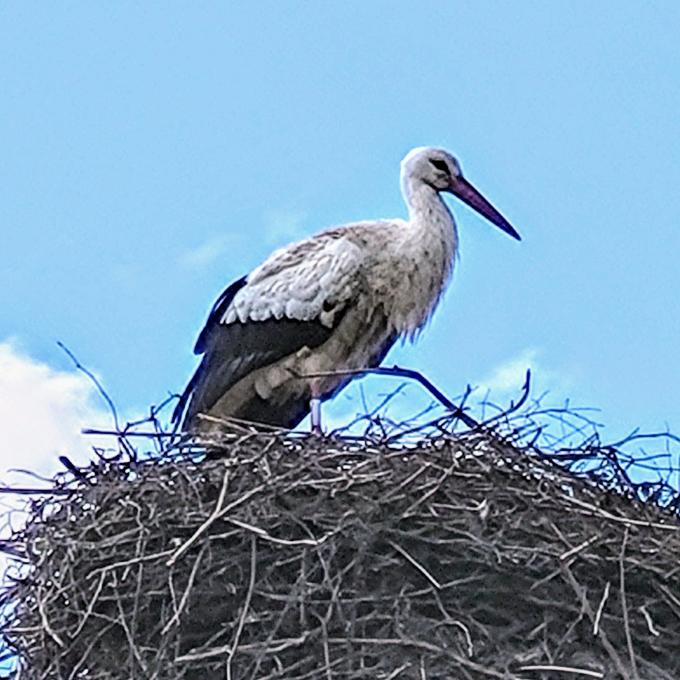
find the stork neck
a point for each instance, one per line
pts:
(426, 206)
(427, 247)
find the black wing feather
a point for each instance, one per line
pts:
(237, 349)
(232, 351)
(217, 312)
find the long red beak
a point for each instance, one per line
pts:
(462, 189)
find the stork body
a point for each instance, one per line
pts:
(334, 302)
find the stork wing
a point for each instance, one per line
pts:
(307, 281)
(294, 299)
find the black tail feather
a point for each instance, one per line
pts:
(181, 407)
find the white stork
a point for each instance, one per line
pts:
(331, 303)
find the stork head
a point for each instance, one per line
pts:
(438, 169)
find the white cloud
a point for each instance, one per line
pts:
(505, 381)
(42, 411)
(207, 252)
(510, 375)
(284, 226)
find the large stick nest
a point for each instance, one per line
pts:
(464, 557)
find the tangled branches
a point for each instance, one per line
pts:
(466, 556)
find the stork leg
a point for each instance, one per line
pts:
(315, 407)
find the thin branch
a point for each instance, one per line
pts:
(27, 491)
(185, 596)
(125, 433)
(215, 514)
(600, 609)
(408, 373)
(624, 605)
(416, 564)
(94, 380)
(246, 604)
(564, 669)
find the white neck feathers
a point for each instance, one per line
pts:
(429, 241)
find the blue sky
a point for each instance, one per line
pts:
(151, 153)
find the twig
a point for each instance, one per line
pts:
(399, 372)
(398, 670)
(246, 604)
(91, 604)
(185, 596)
(624, 606)
(624, 520)
(514, 406)
(273, 539)
(46, 624)
(579, 548)
(72, 468)
(564, 669)
(126, 433)
(272, 647)
(27, 491)
(650, 623)
(606, 643)
(215, 514)
(94, 380)
(416, 564)
(129, 563)
(600, 609)
(128, 633)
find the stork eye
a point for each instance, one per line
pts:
(440, 165)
